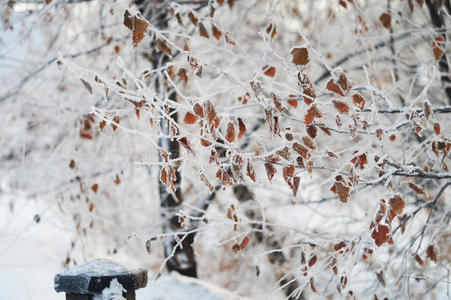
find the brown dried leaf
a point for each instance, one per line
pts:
(193, 18)
(270, 170)
(179, 19)
(271, 30)
(229, 39)
(140, 29)
(311, 131)
(308, 142)
(437, 128)
(206, 182)
(250, 170)
(416, 188)
(419, 260)
(203, 31)
(301, 149)
(296, 181)
(87, 85)
(431, 253)
(116, 120)
(183, 75)
(230, 133)
(162, 46)
(385, 19)
(242, 128)
(312, 285)
(341, 189)
(312, 260)
(198, 110)
(300, 56)
(187, 145)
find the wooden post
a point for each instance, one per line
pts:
(85, 281)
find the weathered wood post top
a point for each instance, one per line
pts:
(86, 281)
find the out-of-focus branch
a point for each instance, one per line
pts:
(379, 45)
(438, 22)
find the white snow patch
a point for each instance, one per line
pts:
(114, 292)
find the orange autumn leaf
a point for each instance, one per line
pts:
(244, 242)
(292, 102)
(397, 204)
(341, 106)
(300, 56)
(205, 143)
(312, 113)
(95, 187)
(437, 47)
(269, 71)
(102, 124)
(358, 101)
(216, 32)
(117, 180)
(341, 86)
(189, 118)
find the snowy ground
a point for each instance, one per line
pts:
(30, 257)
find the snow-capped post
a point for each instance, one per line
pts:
(100, 279)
